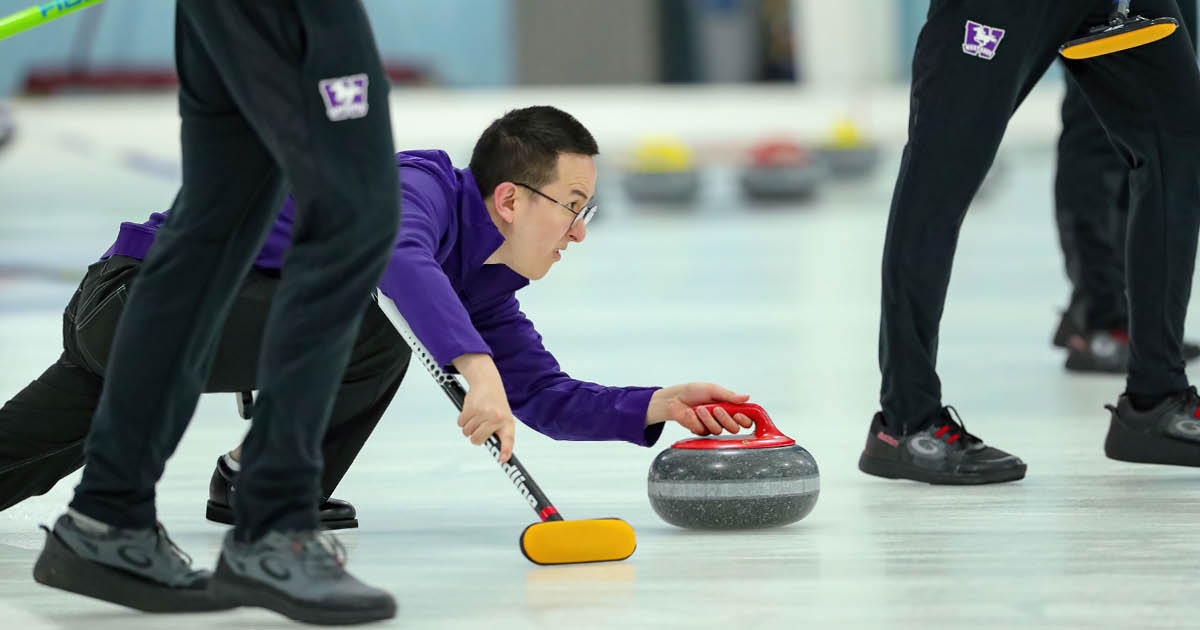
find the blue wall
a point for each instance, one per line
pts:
(459, 42)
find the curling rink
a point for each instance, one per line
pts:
(779, 301)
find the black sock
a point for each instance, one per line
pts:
(1146, 402)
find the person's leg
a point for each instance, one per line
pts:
(1093, 175)
(1188, 11)
(1148, 98)
(136, 567)
(377, 364)
(247, 106)
(338, 156)
(165, 340)
(377, 367)
(975, 62)
(43, 428)
(1191, 350)
(1089, 181)
(1090, 190)
(308, 77)
(235, 369)
(960, 106)
(109, 545)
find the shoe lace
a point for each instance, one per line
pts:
(174, 550)
(1191, 400)
(323, 553)
(955, 424)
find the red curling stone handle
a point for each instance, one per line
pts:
(766, 434)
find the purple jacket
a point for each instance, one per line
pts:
(456, 304)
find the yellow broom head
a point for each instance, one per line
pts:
(569, 542)
(1136, 32)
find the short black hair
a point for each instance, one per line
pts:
(523, 146)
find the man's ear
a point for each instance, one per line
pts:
(505, 197)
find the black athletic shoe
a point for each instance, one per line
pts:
(1066, 328)
(300, 575)
(1166, 434)
(941, 453)
(1105, 352)
(138, 568)
(1072, 337)
(334, 513)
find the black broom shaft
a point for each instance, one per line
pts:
(513, 469)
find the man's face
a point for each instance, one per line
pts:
(541, 229)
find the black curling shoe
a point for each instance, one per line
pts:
(1167, 434)
(940, 453)
(334, 513)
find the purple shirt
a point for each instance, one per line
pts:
(457, 305)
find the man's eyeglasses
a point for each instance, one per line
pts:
(583, 215)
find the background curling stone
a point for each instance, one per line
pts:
(662, 171)
(735, 481)
(848, 154)
(780, 169)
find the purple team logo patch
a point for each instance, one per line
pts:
(345, 97)
(981, 40)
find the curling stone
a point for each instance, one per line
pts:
(780, 169)
(662, 171)
(735, 481)
(848, 154)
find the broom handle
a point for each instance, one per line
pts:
(39, 14)
(513, 469)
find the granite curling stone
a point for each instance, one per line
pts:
(735, 481)
(662, 171)
(780, 169)
(848, 154)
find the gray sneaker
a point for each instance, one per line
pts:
(1166, 434)
(138, 568)
(300, 575)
